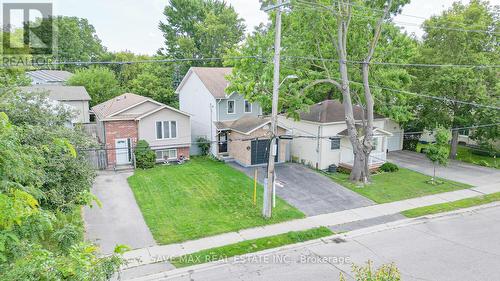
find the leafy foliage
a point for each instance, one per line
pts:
(100, 83)
(145, 158)
(389, 167)
(473, 85)
(42, 188)
(386, 272)
(204, 145)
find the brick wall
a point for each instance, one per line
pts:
(119, 130)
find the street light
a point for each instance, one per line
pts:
(292, 76)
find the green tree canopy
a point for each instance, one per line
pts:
(200, 29)
(310, 55)
(469, 84)
(100, 82)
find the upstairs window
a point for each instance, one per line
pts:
(248, 107)
(230, 107)
(335, 143)
(166, 130)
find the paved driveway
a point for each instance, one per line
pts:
(120, 220)
(309, 191)
(456, 170)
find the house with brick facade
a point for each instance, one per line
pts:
(235, 126)
(125, 119)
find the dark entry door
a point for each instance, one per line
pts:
(260, 152)
(223, 142)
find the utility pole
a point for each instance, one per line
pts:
(268, 202)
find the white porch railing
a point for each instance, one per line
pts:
(376, 157)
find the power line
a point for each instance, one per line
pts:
(316, 5)
(396, 63)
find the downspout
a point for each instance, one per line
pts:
(318, 147)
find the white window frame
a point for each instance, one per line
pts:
(331, 142)
(245, 102)
(166, 152)
(234, 107)
(169, 130)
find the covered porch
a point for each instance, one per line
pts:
(378, 155)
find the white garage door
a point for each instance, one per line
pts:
(394, 142)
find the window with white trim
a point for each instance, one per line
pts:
(230, 107)
(248, 107)
(166, 154)
(335, 143)
(166, 130)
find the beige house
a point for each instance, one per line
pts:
(248, 141)
(320, 137)
(125, 119)
(76, 97)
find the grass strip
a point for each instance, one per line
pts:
(250, 246)
(455, 205)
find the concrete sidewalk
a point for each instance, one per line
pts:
(157, 254)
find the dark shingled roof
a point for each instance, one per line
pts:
(329, 111)
(248, 123)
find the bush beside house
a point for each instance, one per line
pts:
(145, 158)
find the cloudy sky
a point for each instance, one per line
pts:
(133, 24)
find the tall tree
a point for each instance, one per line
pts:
(100, 82)
(200, 29)
(330, 64)
(470, 84)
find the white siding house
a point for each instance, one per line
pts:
(320, 137)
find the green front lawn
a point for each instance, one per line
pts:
(446, 207)
(250, 246)
(200, 198)
(400, 185)
(465, 154)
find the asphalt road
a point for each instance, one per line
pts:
(458, 247)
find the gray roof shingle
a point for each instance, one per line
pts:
(50, 76)
(330, 111)
(59, 92)
(214, 78)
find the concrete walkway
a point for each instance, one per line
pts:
(120, 220)
(163, 253)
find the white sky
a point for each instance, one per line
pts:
(133, 24)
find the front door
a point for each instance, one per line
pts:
(222, 142)
(122, 151)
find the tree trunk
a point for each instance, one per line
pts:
(454, 144)
(359, 172)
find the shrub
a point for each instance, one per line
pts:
(410, 144)
(389, 167)
(145, 158)
(386, 272)
(204, 145)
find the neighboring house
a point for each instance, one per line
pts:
(125, 119)
(49, 77)
(321, 138)
(225, 119)
(74, 96)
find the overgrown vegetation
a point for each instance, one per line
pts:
(251, 246)
(386, 272)
(446, 207)
(204, 145)
(145, 158)
(44, 185)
